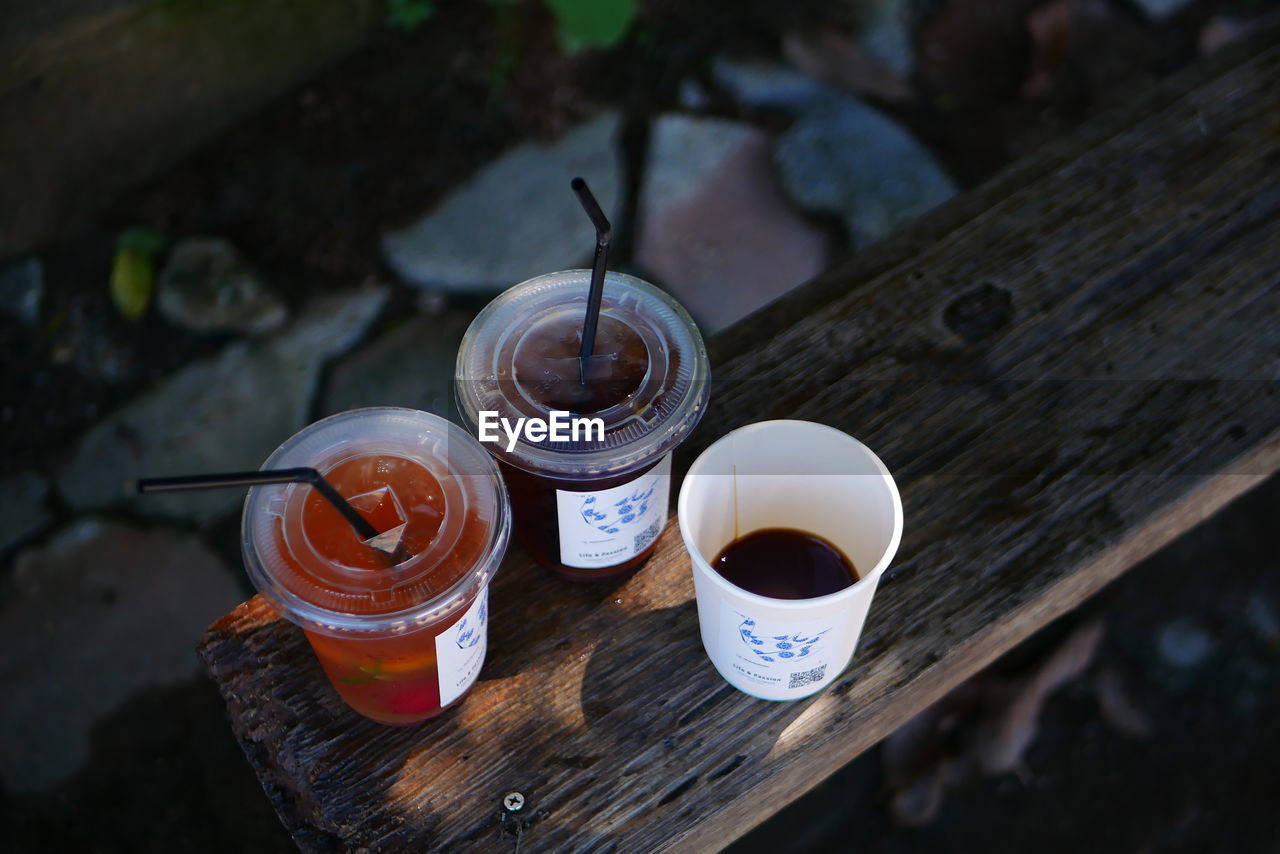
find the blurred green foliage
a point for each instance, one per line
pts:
(579, 23)
(592, 23)
(409, 14)
(133, 271)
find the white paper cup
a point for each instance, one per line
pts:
(787, 474)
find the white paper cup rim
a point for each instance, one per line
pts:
(727, 586)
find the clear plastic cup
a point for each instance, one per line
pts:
(802, 476)
(587, 509)
(401, 637)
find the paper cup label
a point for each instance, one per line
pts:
(460, 650)
(599, 529)
(787, 656)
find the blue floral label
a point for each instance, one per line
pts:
(790, 655)
(606, 528)
(460, 649)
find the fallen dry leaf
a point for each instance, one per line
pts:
(909, 749)
(917, 804)
(1221, 31)
(1003, 743)
(919, 744)
(1116, 707)
(1081, 45)
(1050, 29)
(973, 53)
(944, 747)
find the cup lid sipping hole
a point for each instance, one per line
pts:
(382, 509)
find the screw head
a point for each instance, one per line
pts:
(514, 801)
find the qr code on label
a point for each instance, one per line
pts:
(648, 535)
(807, 677)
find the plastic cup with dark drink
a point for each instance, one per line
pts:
(588, 504)
(789, 526)
(399, 620)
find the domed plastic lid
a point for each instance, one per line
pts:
(647, 382)
(406, 467)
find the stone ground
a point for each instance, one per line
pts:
(330, 254)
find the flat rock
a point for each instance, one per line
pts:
(88, 339)
(516, 217)
(1220, 31)
(102, 611)
(223, 414)
(1262, 618)
(715, 229)
(1158, 10)
(208, 286)
(846, 158)
(692, 95)
(768, 85)
(21, 287)
(1184, 644)
(412, 366)
(22, 507)
(884, 34)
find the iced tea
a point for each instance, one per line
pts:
(401, 633)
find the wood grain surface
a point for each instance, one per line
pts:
(1064, 369)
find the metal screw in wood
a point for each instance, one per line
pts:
(514, 801)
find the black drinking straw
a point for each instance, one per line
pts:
(310, 476)
(604, 234)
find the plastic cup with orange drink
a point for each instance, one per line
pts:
(401, 630)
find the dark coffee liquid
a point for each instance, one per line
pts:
(547, 366)
(783, 563)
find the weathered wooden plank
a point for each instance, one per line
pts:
(1064, 369)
